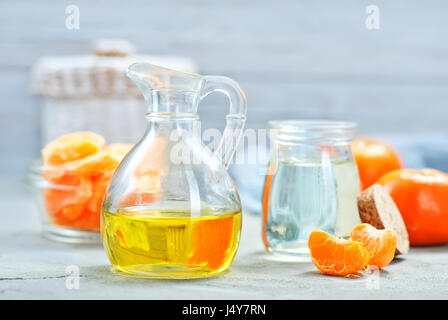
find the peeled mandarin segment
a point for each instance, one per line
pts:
(106, 159)
(68, 215)
(335, 256)
(79, 160)
(380, 244)
(77, 216)
(78, 191)
(56, 175)
(72, 147)
(84, 214)
(65, 207)
(93, 206)
(90, 219)
(63, 177)
(72, 211)
(95, 164)
(99, 189)
(80, 205)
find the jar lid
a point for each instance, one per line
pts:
(102, 74)
(302, 131)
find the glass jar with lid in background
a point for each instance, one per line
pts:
(87, 105)
(312, 182)
(91, 92)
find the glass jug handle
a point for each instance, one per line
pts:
(235, 119)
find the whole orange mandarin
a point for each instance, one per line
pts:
(374, 158)
(422, 198)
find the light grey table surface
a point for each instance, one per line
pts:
(32, 267)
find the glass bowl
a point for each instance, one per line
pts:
(69, 202)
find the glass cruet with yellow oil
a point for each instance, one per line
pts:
(172, 210)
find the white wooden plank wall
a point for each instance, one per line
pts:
(294, 59)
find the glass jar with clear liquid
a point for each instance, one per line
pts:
(171, 209)
(312, 182)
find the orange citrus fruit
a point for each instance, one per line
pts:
(380, 244)
(422, 198)
(374, 158)
(72, 147)
(336, 256)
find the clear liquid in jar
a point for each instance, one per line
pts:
(302, 196)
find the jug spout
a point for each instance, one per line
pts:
(150, 78)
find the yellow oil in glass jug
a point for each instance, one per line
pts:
(172, 210)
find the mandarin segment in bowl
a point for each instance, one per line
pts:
(106, 159)
(95, 163)
(79, 168)
(335, 256)
(65, 205)
(71, 147)
(99, 189)
(76, 191)
(380, 244)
